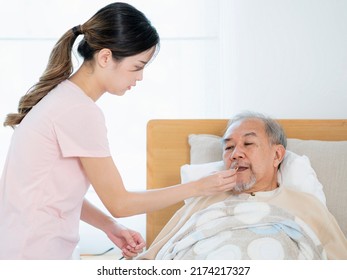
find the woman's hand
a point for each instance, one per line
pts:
(130, 242)
(218, 182)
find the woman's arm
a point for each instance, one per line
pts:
(107, 182)
(130, 242)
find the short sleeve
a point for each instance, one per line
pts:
(81, 132)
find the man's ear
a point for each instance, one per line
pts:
(104, 56)
(280, 152)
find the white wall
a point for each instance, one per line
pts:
(287, 58)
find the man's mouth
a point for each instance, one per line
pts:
(242, 168)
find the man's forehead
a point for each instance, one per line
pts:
(244, 128)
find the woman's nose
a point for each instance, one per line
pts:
(139, 76)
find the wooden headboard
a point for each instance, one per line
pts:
(168, 150)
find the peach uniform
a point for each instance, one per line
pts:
(43, 185)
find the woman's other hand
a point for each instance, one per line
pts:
(129, 241)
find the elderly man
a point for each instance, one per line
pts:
(257, 220)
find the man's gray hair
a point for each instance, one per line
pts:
(273, 129)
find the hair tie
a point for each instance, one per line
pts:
(77, 30)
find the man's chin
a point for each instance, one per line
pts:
(242, 187)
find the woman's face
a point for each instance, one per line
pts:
(122, 75)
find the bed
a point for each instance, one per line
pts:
(168, 149)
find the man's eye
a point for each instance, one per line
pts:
(229, 148)
(248, 144)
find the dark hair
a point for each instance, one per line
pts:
(118, 26)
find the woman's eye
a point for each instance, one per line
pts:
(137, 68)
(229, 148)
(248, 144)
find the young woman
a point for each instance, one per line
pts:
(59, 146)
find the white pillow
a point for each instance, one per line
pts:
(193, 172)
(295, 172)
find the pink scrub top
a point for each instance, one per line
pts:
(43, 184)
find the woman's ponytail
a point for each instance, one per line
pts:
(58, 69)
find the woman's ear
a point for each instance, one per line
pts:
(104, 56)
(280, 152)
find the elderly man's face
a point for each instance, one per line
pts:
(247, 144)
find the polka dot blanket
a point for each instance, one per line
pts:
(243, 230)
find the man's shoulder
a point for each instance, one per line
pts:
(301, 197)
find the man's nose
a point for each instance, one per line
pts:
(237, 153)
